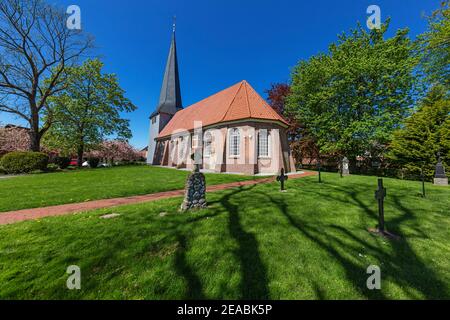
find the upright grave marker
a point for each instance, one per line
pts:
(282, 178)
(319, 167)
(440, 179)
(422, 176)
(345, 171)
(380, 195)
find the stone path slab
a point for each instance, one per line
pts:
(37, 213)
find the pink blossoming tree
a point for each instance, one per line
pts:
(14, 139)
(116, 150)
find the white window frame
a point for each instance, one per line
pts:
(266, 133)
(181, 148)
(208, 144)
(234, 140)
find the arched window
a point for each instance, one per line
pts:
(208, 144)
(235, 139)
(263, 143)
(181, 148)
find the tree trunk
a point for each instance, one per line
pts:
(35, 141)
(35, 136)
(80, 153)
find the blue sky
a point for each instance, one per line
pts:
(221, 42)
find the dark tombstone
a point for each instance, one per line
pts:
(345, 171)
(380, 194)
(440, 179)
(319, 167)
(282, 178)
(195, 190)
(422, 176)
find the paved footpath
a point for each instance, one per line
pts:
(37, 213)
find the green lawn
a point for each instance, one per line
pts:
(41, 190)
(252, 242)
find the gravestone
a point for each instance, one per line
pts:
(282, 178)
(345, 167)
(195, 190)
(440, 179)
(422, 177)
(319, 168)
(380, 195)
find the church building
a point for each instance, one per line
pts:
(233, 131)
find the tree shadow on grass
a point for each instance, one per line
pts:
(354, 273)
(355, 196)
(413, 272)
(172, 241)
(254, 283)
(404, 267)
(194, 286)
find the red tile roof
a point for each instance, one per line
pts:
(237, 102)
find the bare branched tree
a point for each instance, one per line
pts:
(35, 48)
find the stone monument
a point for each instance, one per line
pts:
(440, 179)
(345, 167)
(195, 190)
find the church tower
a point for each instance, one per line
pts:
(169, 100)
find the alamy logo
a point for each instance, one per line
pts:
(74, 280)
(374, 20)
(374, 281)
(74, 19)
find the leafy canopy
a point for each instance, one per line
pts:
(425, 133)
(353, 97)
(89, 110)
(434, 47)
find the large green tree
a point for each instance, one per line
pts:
(88, 110)
(425, 133)
(35, 49)
(434, 47)
(354, 96)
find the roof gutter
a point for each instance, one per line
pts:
(182, 133)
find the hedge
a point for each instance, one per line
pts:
(23, 162)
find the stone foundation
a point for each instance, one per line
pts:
(195, 195)
(441, 181)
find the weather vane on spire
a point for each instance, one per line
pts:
(174, 23)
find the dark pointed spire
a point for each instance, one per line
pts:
(170, 98)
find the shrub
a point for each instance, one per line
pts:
(62, 162)
(93, 162)
(24, 162)
(52, 167)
